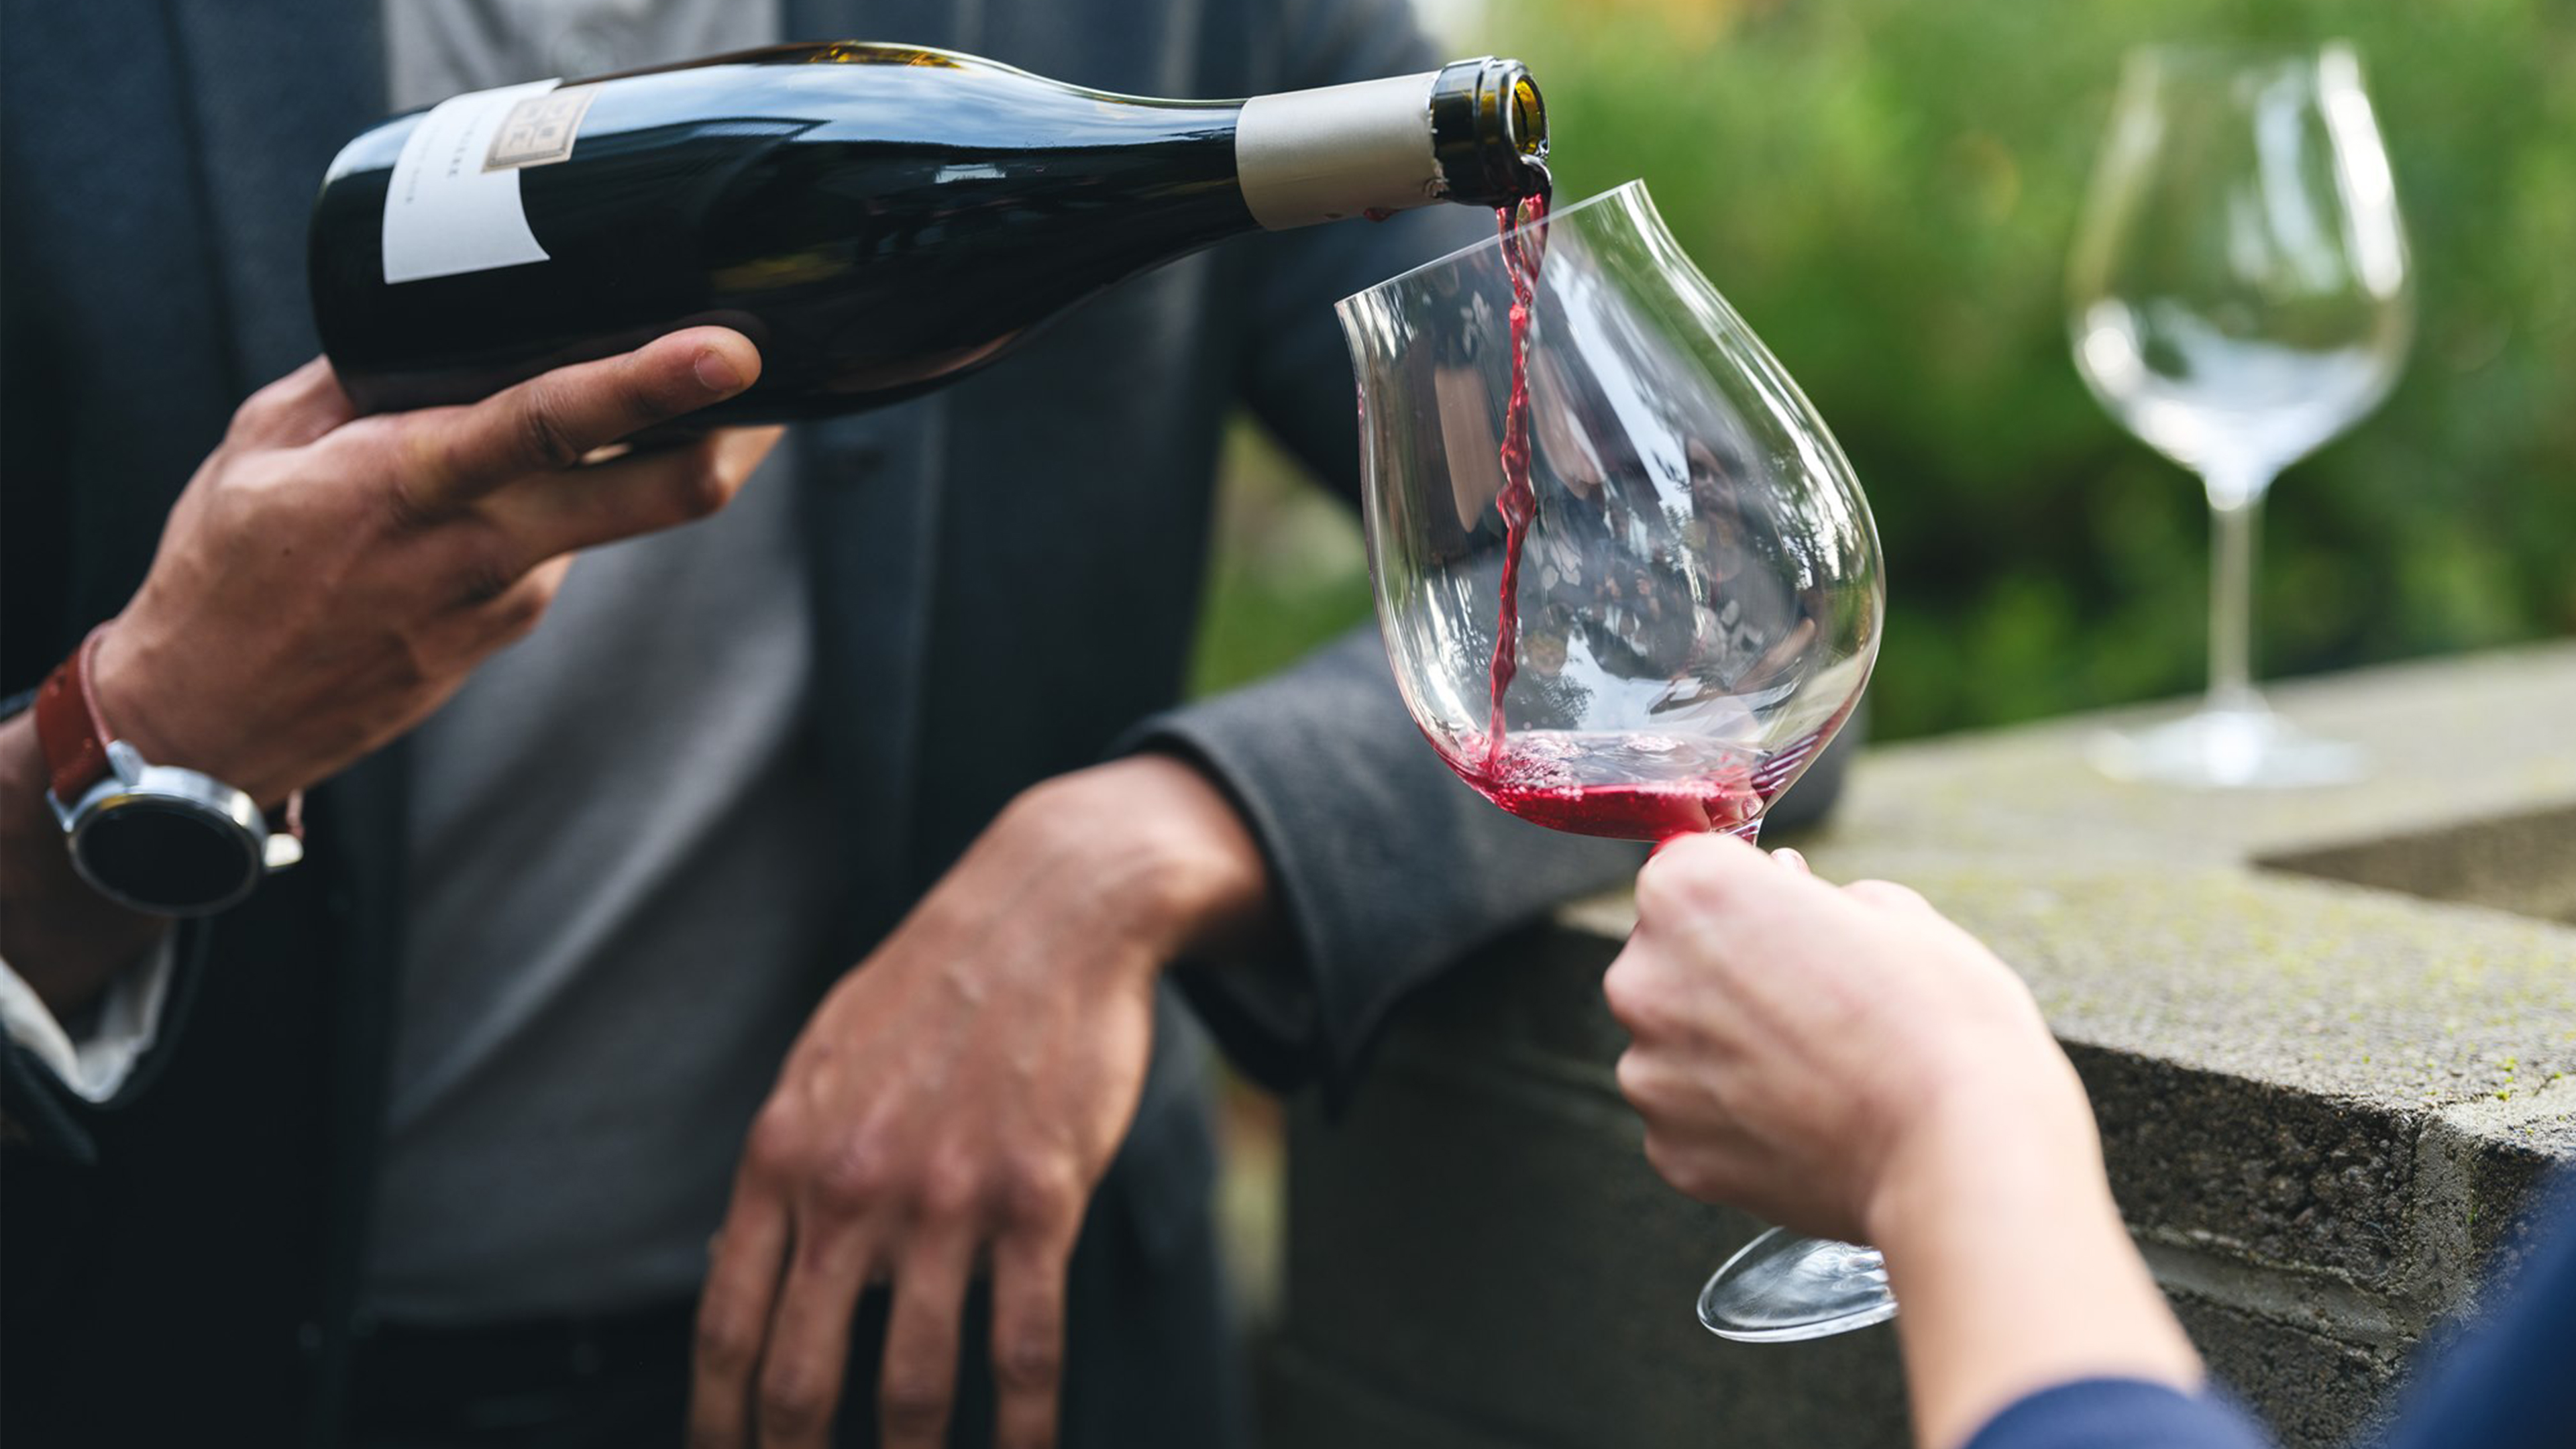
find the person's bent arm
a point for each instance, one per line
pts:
(327, 580)
(1848, 1063)
(2014, 1269)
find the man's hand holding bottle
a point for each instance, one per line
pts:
(327, 579)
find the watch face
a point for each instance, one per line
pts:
(168, 856)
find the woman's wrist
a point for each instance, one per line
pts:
(2024, 1133)
(2010, 1262)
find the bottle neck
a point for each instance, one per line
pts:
(1379, 146)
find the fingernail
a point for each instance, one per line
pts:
(1790, 858)
(717, 372)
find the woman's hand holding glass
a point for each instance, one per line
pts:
(1847, 1062)
(1793, 1039)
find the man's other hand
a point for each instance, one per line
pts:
(952, 1105)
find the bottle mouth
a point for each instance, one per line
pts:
(1489, 131)
(1525, 118)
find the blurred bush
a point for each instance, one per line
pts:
(1886, 190)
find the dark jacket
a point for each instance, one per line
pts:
(186, 1257)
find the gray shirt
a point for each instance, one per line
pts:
(621, 872)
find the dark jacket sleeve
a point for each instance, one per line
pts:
(47, 1117)
(2505, 1379)
(1385, 865)
(41, 1114)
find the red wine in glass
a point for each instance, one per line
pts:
(1633, 786)
(1626, 786)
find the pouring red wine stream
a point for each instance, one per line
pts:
(1556, 779)
(1524, 234)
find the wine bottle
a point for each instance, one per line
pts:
(878, 219)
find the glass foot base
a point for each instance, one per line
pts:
(1783, 1287)
(2226, 749)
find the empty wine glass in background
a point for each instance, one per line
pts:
(1697, 601)
(2239, 296)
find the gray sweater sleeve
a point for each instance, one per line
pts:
(1386, 866)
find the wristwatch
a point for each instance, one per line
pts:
(156, 838)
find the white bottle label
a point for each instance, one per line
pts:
(454, 202)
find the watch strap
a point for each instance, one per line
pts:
(68, 727)
(74, 737)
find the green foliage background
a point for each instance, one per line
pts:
(1886, 190)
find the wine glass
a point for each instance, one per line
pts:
(1694, 602)
(2238, 297)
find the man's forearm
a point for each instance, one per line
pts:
(62, 938)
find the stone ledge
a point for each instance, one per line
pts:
(2326, 1099)
(1490, 1250)
(2516, 863)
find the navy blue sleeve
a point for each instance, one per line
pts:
(2511, 1379)
(2119, 1414)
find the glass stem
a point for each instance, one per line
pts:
(1750, 832)
(2235, 529)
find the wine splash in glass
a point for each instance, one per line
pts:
(1626, 578)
